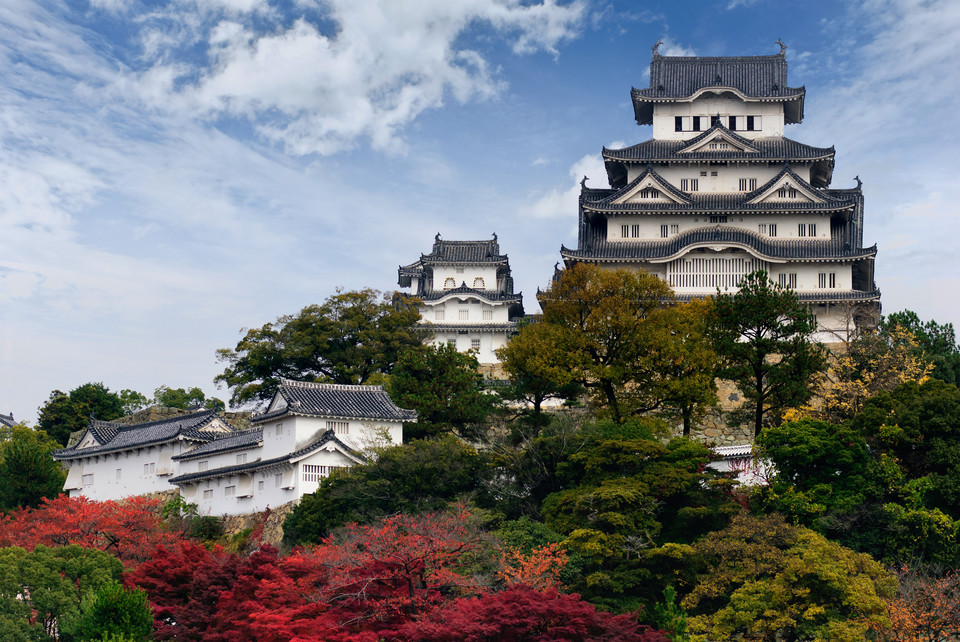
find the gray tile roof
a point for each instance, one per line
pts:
(336, 400)
(768, 149)
(237, 441)
(7, 420)
(321, 440)
(795, 249)
(115, 437)
(464, 251)
(674, 77)
(464, 289)
(602, 200)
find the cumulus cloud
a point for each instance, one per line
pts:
(563, 203)
(316, 90)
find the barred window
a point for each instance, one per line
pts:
(339, 427)
(313, 473)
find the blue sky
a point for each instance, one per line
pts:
(175, 171)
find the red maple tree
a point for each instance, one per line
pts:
(130, 529)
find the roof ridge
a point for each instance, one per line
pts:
(328, 386)
(155, 422)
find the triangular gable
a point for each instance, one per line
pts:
(718, 139)
(218, 426)
(649, 187)
(332, 444)
(88, 441)
(785, 187)
(277, 403)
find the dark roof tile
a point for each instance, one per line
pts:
(336, 400)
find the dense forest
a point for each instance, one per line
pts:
(567, 502)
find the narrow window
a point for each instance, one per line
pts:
(833, 279)
(478, 283)
(339, 427)
(714, 121)
(624, 231)
(696, 123)
(678, 123)
(229, 491)
(793, 280)
(753, 123)
(260, 485)
(743, 185)
(782, 192)
(202, 466)
(208, 493)
(475, 344)
(636, 231)
(713, 173)
(118, 472)
(762, 228)
(773, 229)
(752, 184)
(822, 280)
(664, 231)
(488, 315)
(87, 479)
(718, 219)
(439, 315)
(792, 192)
(802, 229)
(674, 229)
(449, 283)
(703, 173)
(242, 458)
(782, 280)
(459, 270)
(733, 123)
(464, 315)
(812, 229)
(278, 480)
(278, 431)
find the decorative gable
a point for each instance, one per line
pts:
(719, 141)
(649, 188)
(786, 190)
(88, 441)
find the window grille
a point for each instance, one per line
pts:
(339, 427)
(313, 473)
(711, 273)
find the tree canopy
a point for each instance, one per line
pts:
(763, 334)
(347, 339)
(65, 413)
(619, 334)
(446, 389)
(28, 473)
(935, 343)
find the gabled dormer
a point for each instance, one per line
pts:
(648, 188)
(785, 187)
(720, 140)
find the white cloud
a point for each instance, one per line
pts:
(317, 92)
(564, 203)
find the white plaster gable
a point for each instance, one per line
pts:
(277, 403)
(88, 441)
(804, 194)
(650, 181)
(719, 141)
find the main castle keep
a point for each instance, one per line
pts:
(720, 192)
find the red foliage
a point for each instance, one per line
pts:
(184, 583)
(521, 613)
(130, 529)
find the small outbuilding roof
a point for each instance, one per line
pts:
(333, 400)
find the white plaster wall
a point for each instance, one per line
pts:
(133, 480)
(490, 340)
(787, 225)
(727, 180)
(771, 116)
(467, 275)
(474, 308)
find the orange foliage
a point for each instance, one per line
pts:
(925, 609)
(539, 570)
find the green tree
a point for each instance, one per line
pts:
(763, 579)
(347, 339)
(185, 399)
(534, 375)
(936, 343)
(27, 471)
(445, 387)
(114, 611)
(65, 413)
(42, 592)
(418, 477)
(132, 401)
(615, 334)
(763, 334)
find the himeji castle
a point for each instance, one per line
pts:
(719, 192)
(467, 293)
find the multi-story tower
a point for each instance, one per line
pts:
(467, 294)
(719, 192)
